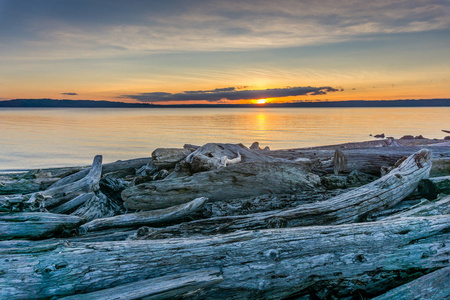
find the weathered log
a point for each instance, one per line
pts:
(369, 160)
(353, 206)
(425, 208)
(168, 157)
(14, 184)
(164, 287)
(35, 225)
(214, 156)
(274, 263)
(128, 166)
(442, 184)
(147, 217)
(435, 285)
(62, 193)
(235, 181)
(98, 207)
(72, 204)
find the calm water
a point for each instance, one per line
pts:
(35, 138)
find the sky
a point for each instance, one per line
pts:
(187, 51)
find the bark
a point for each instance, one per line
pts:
(431, 286)
(146, 218)
(353, 206)
(164, 287)
(35, 225)
(274, 263)
(236, 181)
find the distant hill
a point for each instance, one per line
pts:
(111, 104)
(70, 103)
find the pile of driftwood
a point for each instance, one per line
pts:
(351, 221)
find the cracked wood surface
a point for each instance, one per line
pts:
(269, 264)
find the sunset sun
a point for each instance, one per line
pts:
(261, 101)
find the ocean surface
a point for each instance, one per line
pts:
(53, 137)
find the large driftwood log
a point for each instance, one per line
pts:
(426, 208)
(275, 263)
(35, 225)
(72, 204)
(168, 157)
(442, 184)
(214, 156)
(235, 181)
(368, 160)
(353, 206)
(164, 287)
(62, 193)
(435, 285)
(147, 217)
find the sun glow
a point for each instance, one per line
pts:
(261, 101)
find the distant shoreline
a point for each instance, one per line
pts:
(52, 103)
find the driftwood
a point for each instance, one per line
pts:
(425, 208)
(213, 156)
(275, 263)
(147, 217)
(236, 181)
(62, 193)
(72, 204)
(165, 287)
(435, 285)
(35, 225)
(99, 206)
(168, 157)
(369, 160)
(353, 206)
(442, 184)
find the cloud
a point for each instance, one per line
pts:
(69, 94)
(113, 27)
(231, 93)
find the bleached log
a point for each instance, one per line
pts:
(147, 217)
(274, 263)
(353, 206)
(69, 191)
(435, 285)
(164, 287)
(99, 206)
(169, 157)
(236, 181)
(72, 204)
(35, 225)
(426, 208)
(212, 156)
(368, 160)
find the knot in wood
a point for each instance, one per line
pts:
(272, 254)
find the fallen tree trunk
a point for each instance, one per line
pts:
(147, 217)
(431, 286)
(427, 208)
(368, 160)
(236, 181)
(275, 263)
(35, 225)
(72, 204)
(353, 206)
(62, 193)
(164, 287)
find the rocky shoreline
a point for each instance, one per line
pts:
(351, 221)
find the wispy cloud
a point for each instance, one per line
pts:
(64, 28)
(69, 94)
(230, 93)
